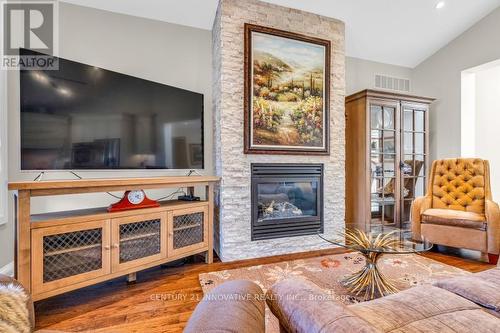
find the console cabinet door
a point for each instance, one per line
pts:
(138, 240)
(187, 230)
(69, 254)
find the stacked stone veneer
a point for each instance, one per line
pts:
(233, 227)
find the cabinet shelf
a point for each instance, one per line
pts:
(140, 236)
(70, 250)
(417, 132)
(101, 213)
(196, 225)
(384, 202)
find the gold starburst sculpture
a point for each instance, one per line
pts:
(370, 280)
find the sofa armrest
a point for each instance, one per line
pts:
(493, 219)
(418, 206)
(302, 307)
(234, 306)
(6, 281)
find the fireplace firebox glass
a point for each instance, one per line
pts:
(287, 199)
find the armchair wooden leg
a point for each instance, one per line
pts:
(492, 258)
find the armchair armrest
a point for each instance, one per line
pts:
(492, 213)
(418, 206)
(234, 306)
(302, 307)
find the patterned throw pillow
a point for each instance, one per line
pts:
(14, 314)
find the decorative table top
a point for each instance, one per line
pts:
(379, 239)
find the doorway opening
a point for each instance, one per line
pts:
(480, 117)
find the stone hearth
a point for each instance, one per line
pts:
(233, 228)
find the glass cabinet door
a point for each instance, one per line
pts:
(384, 137)
(414, 152)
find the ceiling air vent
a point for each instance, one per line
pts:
(392, 83)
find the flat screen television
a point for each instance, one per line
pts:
(85, 117)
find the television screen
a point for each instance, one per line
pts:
(85, 117)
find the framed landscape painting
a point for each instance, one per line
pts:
(286, 92)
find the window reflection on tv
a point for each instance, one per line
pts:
(85, 117)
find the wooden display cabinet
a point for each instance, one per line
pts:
(62, 251)
(387, 156)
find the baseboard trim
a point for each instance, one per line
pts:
(8, 269)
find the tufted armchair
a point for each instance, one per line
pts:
(458, 209)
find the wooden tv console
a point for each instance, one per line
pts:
(62, 251)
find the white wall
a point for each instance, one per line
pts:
(3, 147)
(487, 122)
(468, 114)
(6, 229)
(162, 52)
(440, 76)
(360, 73)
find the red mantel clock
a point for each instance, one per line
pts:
(133, 200)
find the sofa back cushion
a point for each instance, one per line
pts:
(459, 184)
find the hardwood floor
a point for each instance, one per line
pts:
(164, 298)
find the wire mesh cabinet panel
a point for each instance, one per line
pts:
(138, 239)
(66, 255)
(187, 230)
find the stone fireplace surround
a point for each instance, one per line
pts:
(233, 226)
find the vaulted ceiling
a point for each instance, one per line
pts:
(399, 32)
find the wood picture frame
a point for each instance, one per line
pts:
(287, 101)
